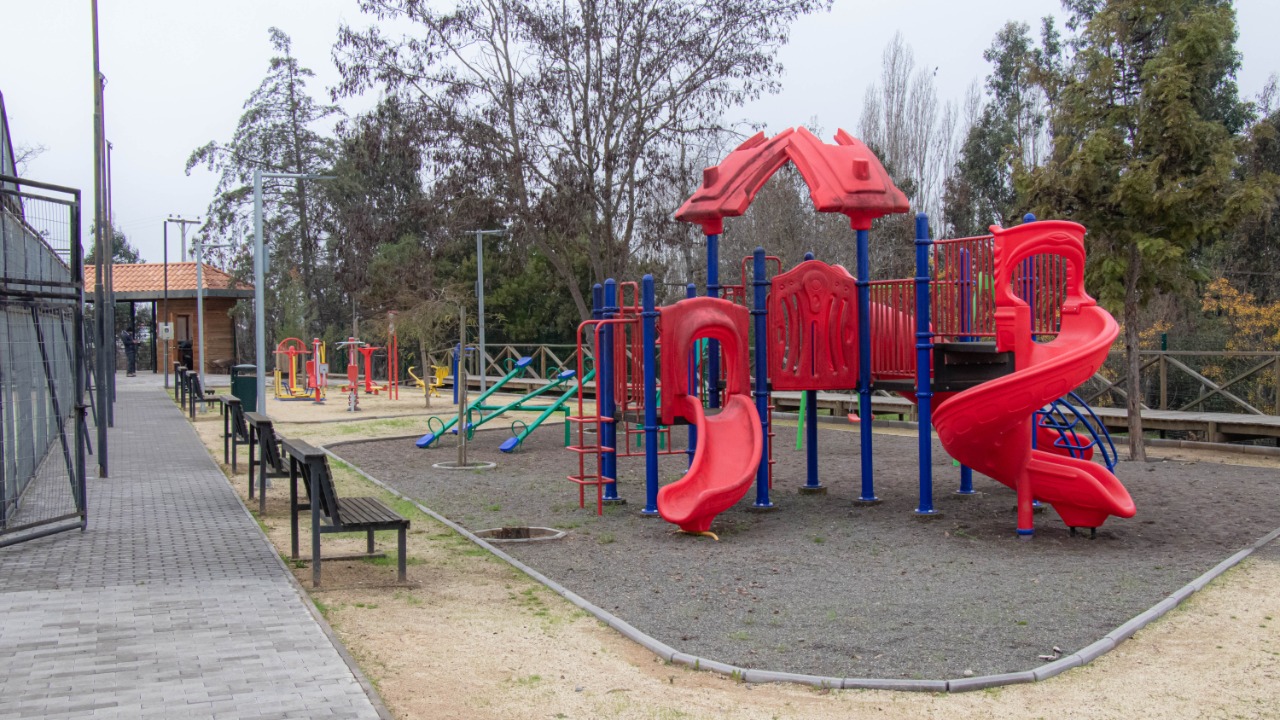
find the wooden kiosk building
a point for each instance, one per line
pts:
(145, 283)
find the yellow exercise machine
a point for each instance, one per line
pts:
(315, 371)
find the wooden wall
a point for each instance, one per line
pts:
(218, 338)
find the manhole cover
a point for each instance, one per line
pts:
(520, 534)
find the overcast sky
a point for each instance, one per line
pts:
(178, 73)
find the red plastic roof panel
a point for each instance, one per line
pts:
(845, 178)
(728, 188)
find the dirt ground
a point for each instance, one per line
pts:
(470, 637)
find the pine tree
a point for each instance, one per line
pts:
(278, 132)
(1143, 151)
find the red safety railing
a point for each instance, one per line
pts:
(963, 291)
(893, 322)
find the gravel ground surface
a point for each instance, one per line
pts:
(823, 586)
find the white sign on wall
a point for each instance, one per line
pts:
(165, 330)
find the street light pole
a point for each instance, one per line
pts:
(480, 355)
(259, 319)
(182, 223)
(259, 270)
(198, 247)
(164, 312)
(99, 296)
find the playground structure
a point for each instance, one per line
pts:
(314, 370)
(989, 339)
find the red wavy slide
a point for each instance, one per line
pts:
(724, 464)
(989, 427)
(730, 442)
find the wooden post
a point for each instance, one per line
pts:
(1277, 379)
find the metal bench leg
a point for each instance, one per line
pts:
(401, 543)
(293, 507)
(252, 447)
(315, 538)
(262, 484)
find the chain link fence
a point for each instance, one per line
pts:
(42, 421)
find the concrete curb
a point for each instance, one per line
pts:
(1082, 657)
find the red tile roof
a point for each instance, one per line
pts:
(149, 278)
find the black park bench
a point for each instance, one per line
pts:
(234, 429)
(196, 393)
(180, 384)
(352, 514)
(264, 454)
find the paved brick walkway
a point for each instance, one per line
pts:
(171, 605)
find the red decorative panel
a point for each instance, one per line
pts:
(813, 328)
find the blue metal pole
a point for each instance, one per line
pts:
(924, 349)
(713, 346)
(691, 291)
(597, 302)
(457, 351)
(812, 484)
(758, 312)
(966, 327)
(609, 430)
(868, 495)
(650, 319)
(1031, 301)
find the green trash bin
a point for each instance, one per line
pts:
(244, 385)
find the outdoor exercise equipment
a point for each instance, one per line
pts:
(352, 388)
(430, 385)
(988, 338)
(314, 370)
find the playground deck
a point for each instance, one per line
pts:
(1217, 427)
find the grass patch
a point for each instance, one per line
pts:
(389, 560)
(325, 609)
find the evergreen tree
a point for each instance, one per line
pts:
(1143, 152)
(1250, 257)
(278, 132)
(1010, 132)
(122, 251)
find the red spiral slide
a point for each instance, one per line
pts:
(989, 427)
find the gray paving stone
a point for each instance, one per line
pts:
(170, 605)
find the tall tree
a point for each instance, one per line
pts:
(572, 115)
(122, 251)
(1250, 256)
(280, 131)
(1008, 133)
(910, 128)
(1143, 151)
